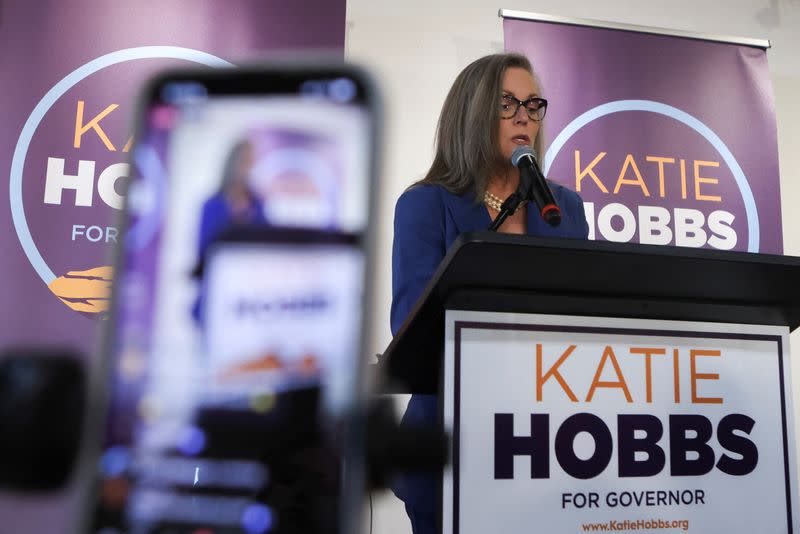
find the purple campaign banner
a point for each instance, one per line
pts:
(668, 140)
(71, 72)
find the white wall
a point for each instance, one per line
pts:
(416, 48)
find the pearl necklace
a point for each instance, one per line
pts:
(495, 202)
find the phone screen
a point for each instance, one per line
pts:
(237, 328)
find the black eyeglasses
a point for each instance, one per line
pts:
(534, 107)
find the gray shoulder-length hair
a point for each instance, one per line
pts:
(467, 149)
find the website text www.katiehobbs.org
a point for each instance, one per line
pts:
(637, 524)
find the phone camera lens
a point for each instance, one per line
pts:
(342, 90)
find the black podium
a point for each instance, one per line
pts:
(736, 300)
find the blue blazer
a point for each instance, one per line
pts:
(427, 219)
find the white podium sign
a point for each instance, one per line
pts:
(566, 424)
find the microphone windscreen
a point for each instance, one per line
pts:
(520, 152)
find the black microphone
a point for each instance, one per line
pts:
(524, 158)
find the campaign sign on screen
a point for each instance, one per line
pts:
(271, 313)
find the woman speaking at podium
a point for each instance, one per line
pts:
(494, 106)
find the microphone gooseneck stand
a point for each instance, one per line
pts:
(509, 207)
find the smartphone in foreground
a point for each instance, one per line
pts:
(237, 336)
